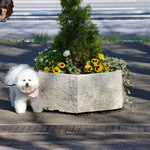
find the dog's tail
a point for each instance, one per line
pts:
(5, 83)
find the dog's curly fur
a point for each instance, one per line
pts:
(26, 81)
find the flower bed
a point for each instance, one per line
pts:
(100, 64)
(48, 62)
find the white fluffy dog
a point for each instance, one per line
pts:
(25, 88)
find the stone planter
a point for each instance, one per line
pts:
(81, 93)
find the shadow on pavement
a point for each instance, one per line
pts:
(12, 54)
(133, 53)
(138, 58)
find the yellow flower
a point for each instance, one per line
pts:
(107, 71)
(50, 68)
(50, 62)
(56, 70)
(88, 68)
(88, 62)
(101, 56)
(98, 68)
(61, 65)
(95, 61)
(46, 69)
(106, 68)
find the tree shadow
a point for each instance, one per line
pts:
(140, 93)
(130, 52)
(19, 54)
(16, 144)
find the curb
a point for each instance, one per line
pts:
(73, 132)
(84, 129)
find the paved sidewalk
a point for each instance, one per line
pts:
(138, 58)
(136, 117)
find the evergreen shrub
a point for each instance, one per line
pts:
(77, 48)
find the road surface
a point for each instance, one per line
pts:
(132, 18)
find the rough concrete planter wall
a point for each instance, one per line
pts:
(81, 93)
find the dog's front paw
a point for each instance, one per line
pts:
(38, 110)
(20, 111)
(36, 105)
(20, 107)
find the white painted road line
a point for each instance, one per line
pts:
(84, 1)
(56, 9)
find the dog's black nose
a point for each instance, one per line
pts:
(27, 84)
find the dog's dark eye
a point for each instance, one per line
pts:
(29, 79)
(24, 80)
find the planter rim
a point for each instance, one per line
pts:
(90, 74)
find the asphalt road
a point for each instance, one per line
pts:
(50, 5)
(128, 29)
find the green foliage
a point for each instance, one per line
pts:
(71, 67)
(119, 64)
(77, 32)
(111, 38)
(147, 39)
(41, 38)
(46, 56)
